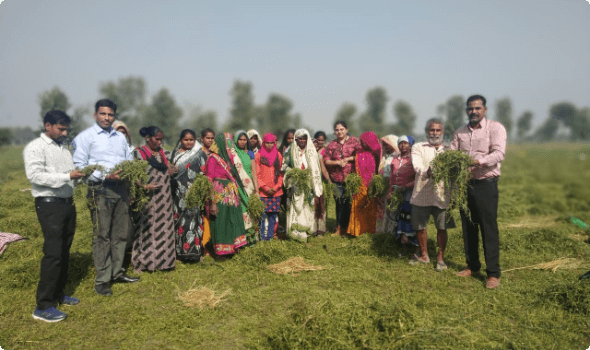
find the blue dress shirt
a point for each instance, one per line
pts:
(98, 147)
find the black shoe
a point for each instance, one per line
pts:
(125, 278)
(103, 289)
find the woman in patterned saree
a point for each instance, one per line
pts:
(363, 214)
(226, 220)
(153, 248)
(245, 164)
(188, 222)
(301, 221)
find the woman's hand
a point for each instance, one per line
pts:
(173, 169)
(151, 187)
(214, 211)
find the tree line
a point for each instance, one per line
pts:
(276, 114)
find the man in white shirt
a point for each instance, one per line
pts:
(49, 168)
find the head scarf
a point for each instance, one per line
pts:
(223, 142)
(243, 153)
(369, 156)
(272, 155)
(119, 124)
(251, 133)
(391, 140)
(270, 158)
(312, 159)
(406, 138)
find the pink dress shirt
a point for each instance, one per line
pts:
(486, 143)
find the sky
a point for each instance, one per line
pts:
(319, 54)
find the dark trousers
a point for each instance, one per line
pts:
(109, 210)
(343, 207)
(482, 200)
(58, 223)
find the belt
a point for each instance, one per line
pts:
(484, 180)
(69, 200)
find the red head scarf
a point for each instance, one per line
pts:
(272, 155)
(369, 156)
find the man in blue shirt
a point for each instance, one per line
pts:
(108, 196)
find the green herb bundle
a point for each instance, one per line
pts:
(300, 181)
(395, 199)
(452, 168)
(377, 187)
(353, 184)
(199, 192)
(92, 168)
(255, 207)
(328, 193)
(135, 171)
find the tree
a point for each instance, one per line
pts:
(23, 135)
(78, 123)
(453, 112)
(406, 118)
(242, 106)
(346, 113)
(504, 113)
(564, 112)
(523, 124)
(53, 99)
(5, 136)
(581, 127)
(128, 94)
(373, 119)
(163, 113)
(278, 117)
(547, 131)
(201, 119)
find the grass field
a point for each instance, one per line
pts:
(365, 297)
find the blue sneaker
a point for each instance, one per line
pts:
(49, 315)
(69, 301)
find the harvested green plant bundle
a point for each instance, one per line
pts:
(452, 167)
(377, 186)
(353, 183)
(396, 199)
(255, 207)
(300, 181)
(135, 171)
(92, 168)
(328, 193)
(199, 192)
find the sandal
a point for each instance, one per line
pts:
(417, 260)
(440, 266)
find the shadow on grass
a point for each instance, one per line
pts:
(80, 264)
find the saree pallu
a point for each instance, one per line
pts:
(227, 229)
(320, 213)
(363, 213)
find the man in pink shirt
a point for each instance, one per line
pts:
(485, 141)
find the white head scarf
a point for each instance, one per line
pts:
(313, 161)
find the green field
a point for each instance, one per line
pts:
(366, 297)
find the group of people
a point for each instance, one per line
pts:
(292, 176)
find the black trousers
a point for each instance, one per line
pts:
(58, 223)
(482, 201)
(343, 207)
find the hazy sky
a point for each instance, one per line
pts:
(319, 54)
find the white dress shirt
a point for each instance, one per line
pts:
(48, 166)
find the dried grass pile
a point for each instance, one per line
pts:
(561, 263)
(201, 297)
(293, 266)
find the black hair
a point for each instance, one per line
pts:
(56, 117)
(341, 122)
(284, 143)
(475, 98)
(149, 131)
(105, 102)
(319, 133)
(205, 131)
(183, 133)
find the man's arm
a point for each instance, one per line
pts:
(81, 152)
(498, 138)
(418, 160)
(35, 169)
